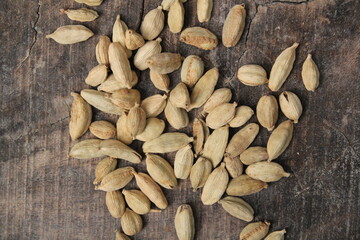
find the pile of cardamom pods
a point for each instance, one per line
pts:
(219, 165)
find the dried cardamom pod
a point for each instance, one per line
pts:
(266, 171)
(233, 165)
(111, 84)
(242, 139)
(221, 115)
(164, 63)
(184, 223)
(153, 23)
(137, 201)
(71, 34)
(255, 231)
(119, 30)
(133, 40)
(103, 129)
(119, 64)
(116, 180)
(166, 4)
(86, 149)
(219, 96)
(279, 139)
(215, 185)
(97, 75)
(199, 129)
(150, 48)
(92, 3)
(150, 188)
(120, 236)
(124, 98)
(177, 117)
(131, 222)
(267, 111)
(115, 203)
(176, 16)
(102, 50)
(310, 74)
(192, 69)
(136, 121)
(234, 25)
(103, 168)
(199, 37)
(122, 132)
(204, 88)
(215, 145)
(81, 14)
(153, 129)
(167, 142)
(290, 105)
(117, 149)
(160, 81)
(204, 9)
(277, 235)
(242, 115)
(154, 105)
(179, 96)
(80, 116)
(161, 171)
(183, 162)
(200, 172)
(282, 67)
(245, 185)
(252, 75)
(238, 208)
(253, 155)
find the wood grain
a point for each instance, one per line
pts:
(46, 195)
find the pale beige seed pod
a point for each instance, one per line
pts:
(253, 155)
(242, 115)
(215, 145)
(183, 162)
(136, 121)
(86, 149)
(166, 4)
(200, 172)
(102, 50)
(277, 235)
(279, 139)
(177, 117)
(219, 96)
(153, 129)
(119, 64)
(80, 116)
(255, 231)
(179, 96)
(97, 75)
(290, 105)
(133, 40)
(204, 9)
(120, 236)
(192, 69)
(310, 74)
(71, 34)
(160, 81)
(154, 105)
(252, 75)
(103, 168)
(167, 142)
(115, 203)
(199, 37)
(221, 115)
(234, 25)
(116, 180)
(124, 98)
(153, 23)
(184, 223)
(137, 201)
(200, 133)
(233, 165)
(215, 185)
(266, 171)
(118, 35)
(245, 185)
(131, 222)
(176, 16)
(111, 85)
(92, 3)
(150, 188)
(161, 171)
(242, 139)
(150, 48)
(81, 14)
(267, 111)
(164, 63)
(116, 149)
(282, 67)
(122, 132)
(103, 129)
(238, 208)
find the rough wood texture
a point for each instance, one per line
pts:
(46, 195)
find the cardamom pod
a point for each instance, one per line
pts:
(161, 171)
(280, 139)
(221, 115)
(137, 201)
(266, 171)
(136, 120)
(277, 235)
(234, 25)
(153, 23)
(154, 105)
(192, 69)
(116, 180)
(183, 162)
(131, 222)
(102, 129)
(164, 63)
(102, 50)
(167, 142)
(233, 165)
(111, 85)
(310, 74)
(215, 185)
(166, 4)
(80, 116)
(245, 185)
(103, 168)
(204, 9)
(124, 98)
(160, 81)
(122, 132)
(184, 223)
(153, 129)
(119, 30)
(133, 40)
(177, 117)
(290, 105)
(199, 37)
(115, 203)
(199, 134)
(179, 96)
(120, 236)
(176, 16)
(267, 111)
(117, 149)
(86, 149)
(119, 64)
(219, 96)
(81, 14)
(200, 172)
(215, 145)
(242, 115)
(282, 68)
(253, 155)
(238, 208)
(71, 34)
(242, 139)
(92, 3)
(150, 48)
(255, 231)
(97, 75)
(252, 75)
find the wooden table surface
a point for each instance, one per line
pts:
(46, 195)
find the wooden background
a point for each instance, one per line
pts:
(46, 195)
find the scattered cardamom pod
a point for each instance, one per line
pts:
(290, 105)
(245, 185)
(221, 115)
(71, 34)
(92, 3)
(119, 64)
(242, 115)
(117, 149)
(177, 117)
(102, 129)
(179, 96)
(199, 37)
(176, 16)
(238, 208)
(116, 180)
(133, 40)
(219, 96)
(215, 185)
(252, 75)
(124, 98)
(200, 172)
(167, 142)
(255, 231)
(86, 149)
(153, 23)
(153, 129)
(104, 167)
(131, 222)
(122, 132)
(111, 85)
(242, 139)
(115, 203)
(253, 155)
(150, 48)
(164, 63)
(184, 223)
(137, 201)
(200, 134)
(81, 14)
(280, 139)
(277, 235)
(120, 236)
(266, 171)
(161, 171)
(136, 121)
(233, 165)
(310, 74)
(267, 111)
(234, 25)
(192, 69)
(102, 50)
(204, 9)
(97, 75)
(80, 116)
(160, 81)
(118, 35)
(154, 105)
(215, 145)
(183, 162)
(166, 4)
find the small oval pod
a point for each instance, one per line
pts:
(290, 105)
(234, 25)
(167, 142)
(131, 222)
(176, 16)
(233, 165)
(120, 64)
(153, 129)
(200, 172)
(165, 62)
(184, 223)
(255, 231)
(102, 50)
(242, 139)
(133, 40)
(125, 98)
(252, 75)
(122, 132)
(81, 14)
(153, 23)
(116, 180)
(215, 145)
(98, 100)
(215, 185)
(183, 162)
(199, 37)
(277, 235)
(71, 34)
(238, 208)
(150, 48)
(103, 168)
(219, 96)
(245, 185)
(266, 171)
(120, 236)
(221, 115)
(161, 171)
(160, 81)
(280, 139)
(204, 9)
(137, 201)
(180, 97)
(242, 115)
(267, 112)
(177, 117)
(200, 134)
(136, 121)
(310, 74)
(89, 148)
(192, 69)
(103, 129)
(253, 155)
(115, 203)
(80, 117)
(117, 149)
